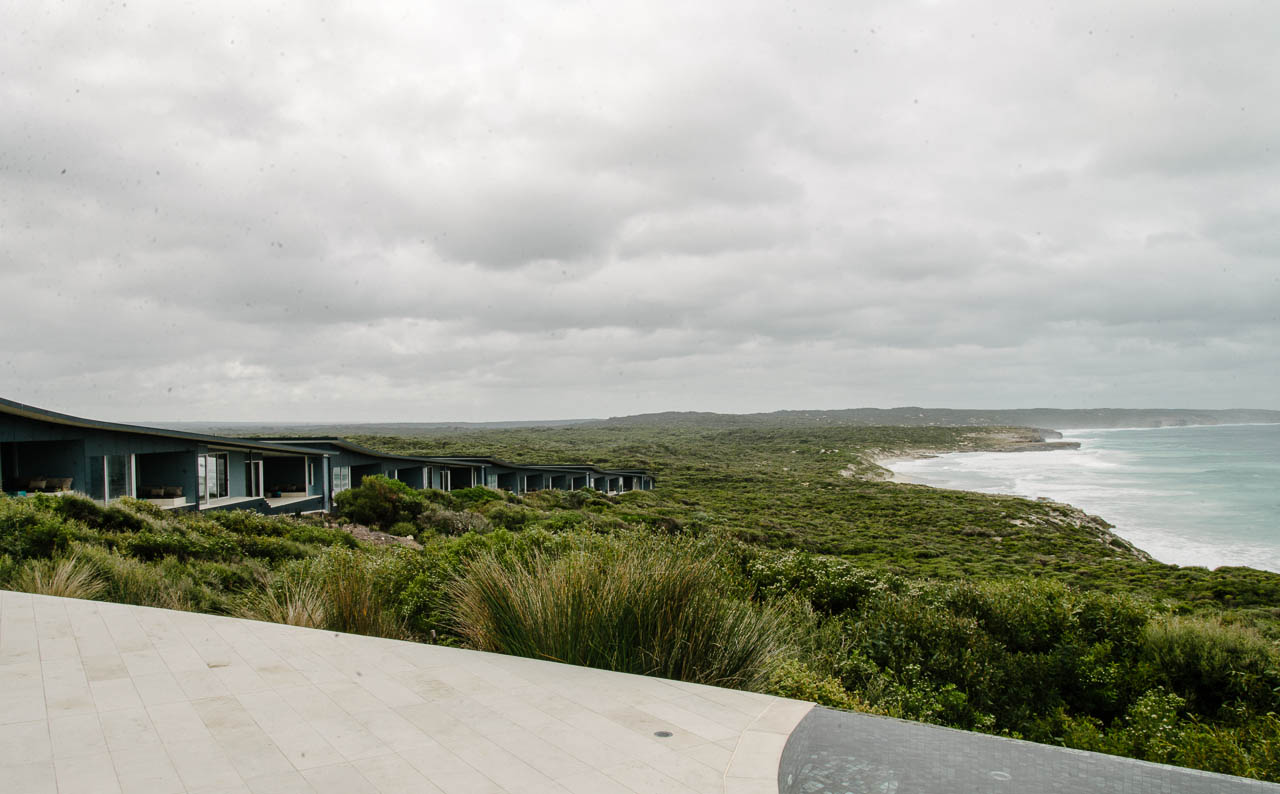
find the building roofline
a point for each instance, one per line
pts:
(349, 446)
(291, 445)
(14, 408)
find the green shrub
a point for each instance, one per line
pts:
(73, 507)
(250, 522)
(830, 584)
(379, 502)
(142, 507)
(154, 545)
(437, 497)
(29, 529)
(1210, 663)
(121, 518)
(122, 515)
(268, 548)
(474, 496)
(403, 529)
(565, 500)
(508, 516)
(562, 521)
(314, 535)
(1017, 651)
(419, 582)
(645, 607)
(1022, 616)
(792, 679)
(226, 577)
(9, 568)
(1249, 748)
(1153, 727)
(444, 521)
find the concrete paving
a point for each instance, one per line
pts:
(98, 697)
(104, 698)
(837, 751)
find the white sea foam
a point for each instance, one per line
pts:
(1201, 495)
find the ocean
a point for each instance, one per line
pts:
(1202, 495)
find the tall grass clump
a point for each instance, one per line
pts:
(168, 584)
(69, 577)
(353, 597)
(648, 607)
(294, 600)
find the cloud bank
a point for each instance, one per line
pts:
(322, 211)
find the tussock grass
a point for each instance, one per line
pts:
(69, 577)
(650, 608)
(296, 601)
(353, 600)
(340, 590)
(126, 580)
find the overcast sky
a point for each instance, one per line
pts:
(429, 211)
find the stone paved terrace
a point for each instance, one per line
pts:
(99, 697)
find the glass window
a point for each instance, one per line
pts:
(109, 477)
(117, 476)
(253, 478)
(213, 475)
(341, 478)
(97, 479)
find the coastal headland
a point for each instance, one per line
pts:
(984, 612)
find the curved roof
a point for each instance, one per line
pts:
(24, 411)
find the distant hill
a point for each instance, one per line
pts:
(414, 429)
(1051, 418)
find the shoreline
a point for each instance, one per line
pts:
(1030, 440)
(1102, 528)
(1191, 538)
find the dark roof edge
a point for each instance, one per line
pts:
(25, 411)
(350, 446)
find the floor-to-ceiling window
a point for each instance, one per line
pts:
(110, 477)
(253, 478)
(118, 476)
(341, 478)
(212, 470)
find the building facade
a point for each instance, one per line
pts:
(46, 452)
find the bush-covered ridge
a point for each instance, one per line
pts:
(1143, 659)
(781, 486)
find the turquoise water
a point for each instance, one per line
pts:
(1188, 495)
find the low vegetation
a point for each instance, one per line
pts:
(757, 564)
(641, 605)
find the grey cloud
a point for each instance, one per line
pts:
(522, 210)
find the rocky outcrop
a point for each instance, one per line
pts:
(1063, 514)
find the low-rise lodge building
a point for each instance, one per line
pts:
(48, 452)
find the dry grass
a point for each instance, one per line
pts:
(338, 591)
(296, 602)
(69, 577)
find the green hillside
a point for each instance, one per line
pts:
(773, 557)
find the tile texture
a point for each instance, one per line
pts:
(100, 697)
